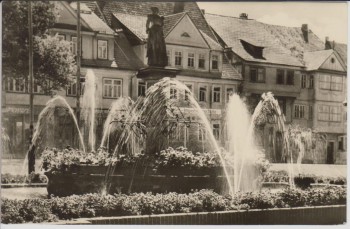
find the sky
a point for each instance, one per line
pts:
(323, 18)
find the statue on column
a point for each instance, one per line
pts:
(156, 49)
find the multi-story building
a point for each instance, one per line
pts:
(194, 54)
(103, 51)
(292, 63)
(116, 54)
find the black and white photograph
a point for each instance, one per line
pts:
(166, 113)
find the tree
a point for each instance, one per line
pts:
(53, 64)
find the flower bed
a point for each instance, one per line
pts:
(302, 181)
(91, 205)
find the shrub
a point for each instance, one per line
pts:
(90, 205)
(20, 179)
(30, 210)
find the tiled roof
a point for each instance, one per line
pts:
(228, 71)
(124, 54)
(135, 23)
(342, 50)
(170, 22)
(212, 44)
(165, 8)
(94, 22)
(282, 45)
(314, 60)
(93, 5)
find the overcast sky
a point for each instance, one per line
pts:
(324, 18)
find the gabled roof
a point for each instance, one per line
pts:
(342, 50)
(314, 60)
(170, 21)
(141, 8)
(213, 45)
(93, 5)
(282, 45)
(137, 25)
(94, 22)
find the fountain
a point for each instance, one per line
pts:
(157, 115)
(144, 126)
(88, 108)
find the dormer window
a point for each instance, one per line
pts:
(102, 49)
(253, 50)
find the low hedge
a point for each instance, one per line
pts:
(303, 180)
(8, 178)
(92, 205)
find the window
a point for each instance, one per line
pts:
(141, 89)
(216, 131)
(173, 93)
(215, 62)
(178, 58)
(201, 61)
(335, 114)
(72, 89)
(303, 81)
(336, 83)
(329, 113)
(216, 94)
(290, 77)
(202, 133)
(73, 46)
(229, 92)
(37, 88)
(257, 75)
(311, 82)
(16, 85)
(299, 111)
(202, 93)
(187, 93)
(325, 82)
(280, 76)
(101, 49)
(311, 113)
(168, 53)
(112, 88)
(342, 143)
(190, 60)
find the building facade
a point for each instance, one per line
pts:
(306, 76)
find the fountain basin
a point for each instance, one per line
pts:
(90, 179)
(275, 185)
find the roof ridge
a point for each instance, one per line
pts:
(249, 19)
(183, 12)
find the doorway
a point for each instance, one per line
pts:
(330, 153)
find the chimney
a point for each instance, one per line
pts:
(328, 44)
(179, 7)
(243, 16)
(305, 30)
(203, 11)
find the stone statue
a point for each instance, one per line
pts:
(156, 49)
